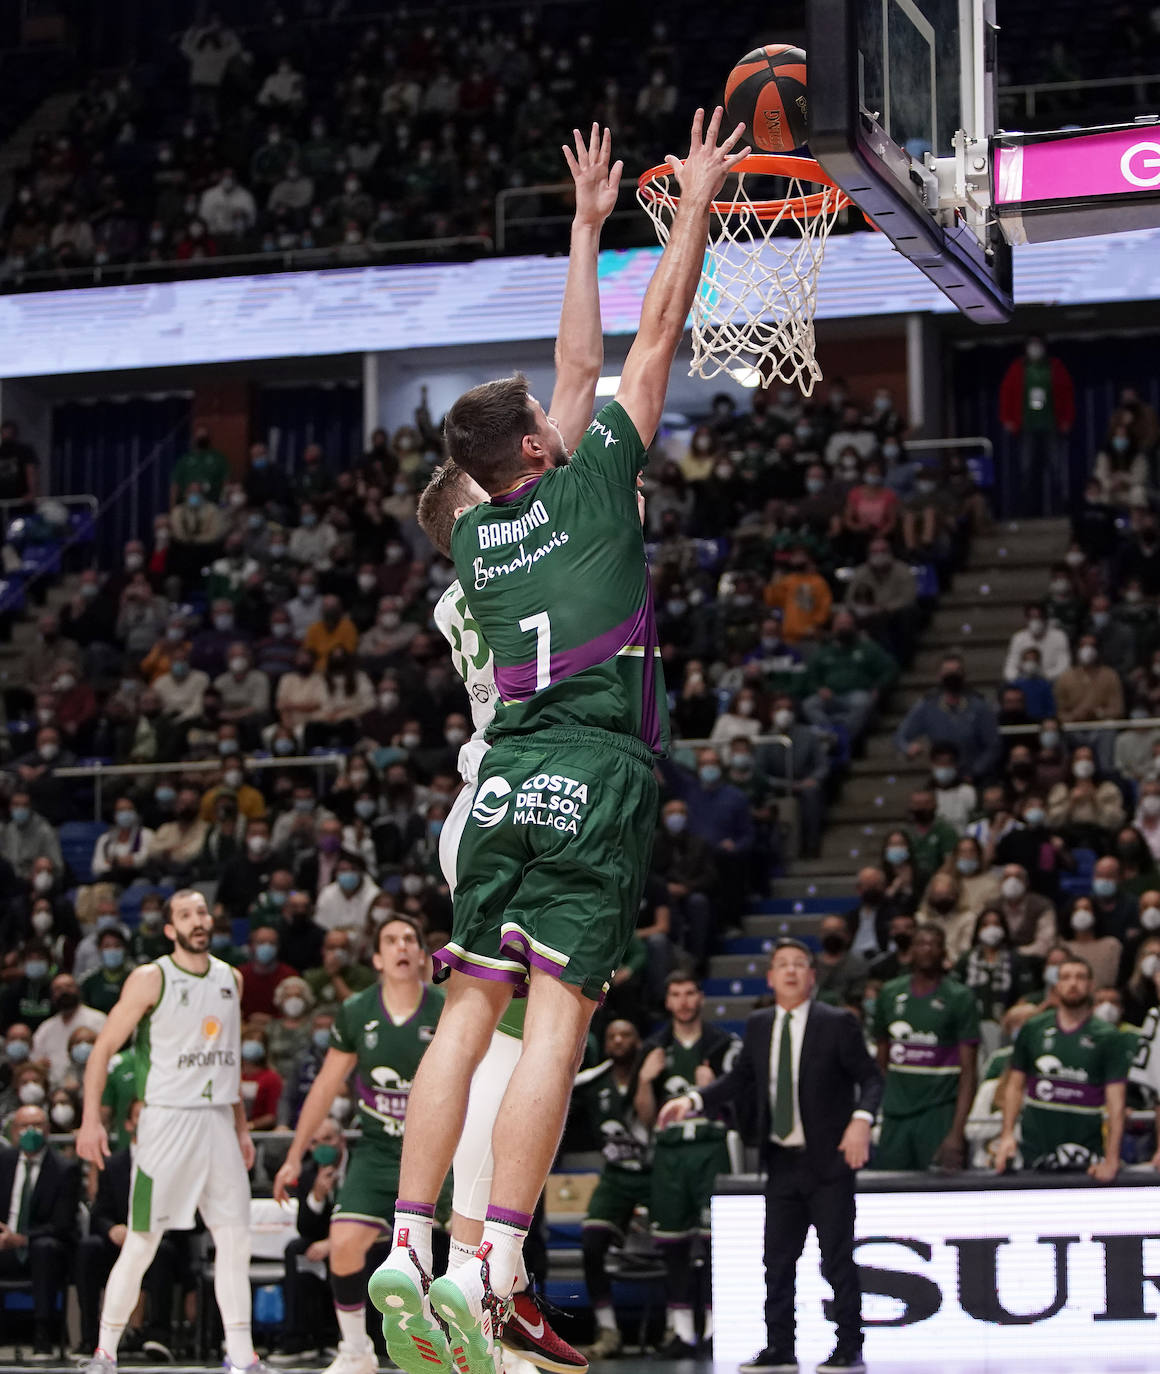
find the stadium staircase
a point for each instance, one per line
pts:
(1007, 568)
(50, 117)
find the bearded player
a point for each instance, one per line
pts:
(554, 854)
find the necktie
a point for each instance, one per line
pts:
(25, 1208)
(783, 1098)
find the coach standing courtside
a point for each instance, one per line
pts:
(805, 1069)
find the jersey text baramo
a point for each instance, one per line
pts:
(523, 561)
(500, 532)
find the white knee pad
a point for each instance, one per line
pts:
(124, 1283)
(473, 1165)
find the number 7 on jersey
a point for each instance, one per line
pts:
(543, 628)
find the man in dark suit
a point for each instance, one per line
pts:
(812, 1091)
(322, 1173)
(39, 1197)
(108, 1226)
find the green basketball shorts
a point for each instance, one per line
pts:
(911, 1142)
(684, 1175)
(616, 1197)
(553, 859)
(369, 1190)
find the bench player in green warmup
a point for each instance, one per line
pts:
(555, 852)
(927, 1028)
(1067, 1069)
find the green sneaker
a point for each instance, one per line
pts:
(398, 1288)
(474, 1315)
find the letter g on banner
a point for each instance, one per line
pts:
(1140, 164)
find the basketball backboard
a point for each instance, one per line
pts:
(901, 106)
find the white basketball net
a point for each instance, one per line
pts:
(753, 313)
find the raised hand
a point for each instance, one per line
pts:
(597, 184)
(702, 174)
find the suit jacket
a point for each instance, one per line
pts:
(111, 1204)
(55, 1199)
(836, 1075)
(312, 1225)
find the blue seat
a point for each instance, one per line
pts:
(733, 987)
(77, 839)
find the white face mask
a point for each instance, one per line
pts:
(783, 719)
(1148, 966)
(1082, 920)
(991, 936)
(1109, 1012)
(1150, 805)
(1150, 917)
(294, 1006)
(1084, 768)
(1012, 888)
(32, 1094)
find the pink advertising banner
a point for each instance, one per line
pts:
(1114, 163)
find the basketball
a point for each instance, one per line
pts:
(766, 91)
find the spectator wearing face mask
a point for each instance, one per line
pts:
(36, 770)
(301, 695)
(250, 802)
(872, 508)
(895, 595)
(1091, 691)
(696, 707)
(178, 843)
(269, 906)
(802, 768)
(102, 988)
(159, 658)
(349, 696)
(338, 976)
(841, 974)
(1138, 557)
(121, 854)
(149, 941)
(953, 714)
(928, 517)
(955, 798)
(1121, 470)
(1145, 924)
(344, 903)
(744, 718)
(45, 914)
(246, 874)
(70, 1013)
(332, 630)
(802, 596)
(994, 970)
(15, 1048)
(845, 678)
(28, 836)
(1050, 641)
(1137, 866)
(1029, 915)
(930, 838)
(88, 618)
(1114, 639)
(213, 645)
(245, 691)
(868, 921)
(298, 1084)
(261, 1085)
(263, 973)
(685, 865)
(181, 689)
(719, 814)
(288, 1035)
(1083, 803)
(1142, 988)
(1115, 909)
(944, 904)
(1029, 697)
(1084, 936)
(300, 938)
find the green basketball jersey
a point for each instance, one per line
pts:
(388, 1057)
(718, 1049)
(556, 580)
(924, 1035)
(1063, 1111)
(608, 1112)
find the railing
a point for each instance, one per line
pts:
(1080, 727)
(555, 188)
(234, 264)
(1030, 93)
(24, 502)
(98, 772)
(720, 744)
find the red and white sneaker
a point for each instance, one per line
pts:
(527, 1332)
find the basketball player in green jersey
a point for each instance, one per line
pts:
(1068, 1070)
(554, 854)
(193, 1149)
(381, 1034)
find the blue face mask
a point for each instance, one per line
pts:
(164, 796)
(193, 500)
(261, 462)
(321, 1039)
(1101, 887)
(17, 1051)
(265, 954)
(277, 899)
(967, 866)
(309, 520)
(434, 828)
(709, 774)
(303, 804)
(1034, 815)
(284, 746)
(219, 940)
(348, 881)
(252, 1051)
(126, 819)
(364, 808)
(79, 1054)
(113, 957)
(897, 854)
(35, 969)
(21, 814)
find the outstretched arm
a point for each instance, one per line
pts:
(667, 301)
(139, 995)
(580, 342)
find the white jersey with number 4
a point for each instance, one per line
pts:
(473, 662)
(189, 1047)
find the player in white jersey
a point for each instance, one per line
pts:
(193, 1150)
(579, 357)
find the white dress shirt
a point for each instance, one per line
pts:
(26, 1164)
(797, 1030)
